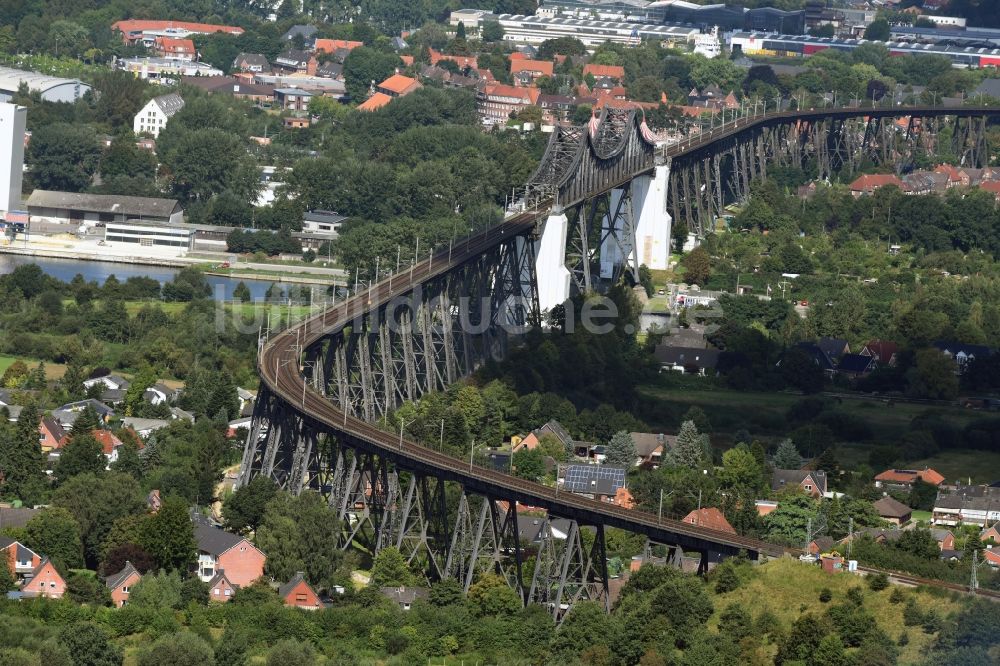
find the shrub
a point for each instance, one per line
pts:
(878, 582)
(897, 596)
(912, 616)
(825, 595)
(904, 639)
(856, 595)
(932, 622)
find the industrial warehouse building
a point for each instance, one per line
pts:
(75, 210)
(51, 88)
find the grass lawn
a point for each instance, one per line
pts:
(765, 412)
(917, 516)
(981, 466)
(787, 587)
(52, 370)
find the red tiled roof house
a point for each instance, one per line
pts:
(120, 584)
(709, 517)
(219, 550)
(298, 593)
(44, 581)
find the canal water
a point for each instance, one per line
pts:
(99, 271)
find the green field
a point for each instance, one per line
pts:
(787, 587)
(765, 412)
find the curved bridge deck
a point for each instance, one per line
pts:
(280, 364)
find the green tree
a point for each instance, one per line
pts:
(697, 266)
(84, 588)
(691, 447)
(491, 596)
(295, 533)
(96, 503)
(787, 524)
(390, 569)
(128, 460)
(364, 67)
(21, 457)
(741, 470)
(63, 157)
(529, 464)
(621, 450)
(169, 536)
(90, 645)
(932, 376)
(54, 532)
(244, 510)
(830, 652)
(787, 456)
(242, 292)
(878, 31)
(160, 590)
(83, 454)
(181, 649)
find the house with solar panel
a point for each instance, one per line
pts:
(600, 482)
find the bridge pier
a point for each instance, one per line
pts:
(653, 225)
(550, 263)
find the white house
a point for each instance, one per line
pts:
(154, 116)
(112, 381)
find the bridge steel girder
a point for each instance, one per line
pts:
(453, 320)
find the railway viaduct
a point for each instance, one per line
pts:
(601, 203)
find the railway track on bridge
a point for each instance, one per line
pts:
(280, 368)
(281, 362)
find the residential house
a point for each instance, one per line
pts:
(44, 581)
(295, 122)
(220, 588)
(877, 534)
(553, 428)
(259, 94)
(121, 583)
(245, 396)
(709, 517)
(820, 545)
(826, 352)
(330, 70)
(925, 182)
(893, 511)
(496, 102)
(992, 557)
(220, 550)
(464, 62)
(651, 447)
(883, 351)
(16, 516)
(991, 535)
(143, 427)
(306, 32)
(975, 505)
(110, 381)
(153, 117)
(904, 478)
(614, 72)
(688, 360)
(109, 444)
(294, 60)
(711, 97)
(526, 72)
(530, 528)
(398, 85)
(334, 45)
(623, 498)
(292, 99)
(556, 108)
(956, 177)
(812, 482)
(868, 183)
(375, 102)
(405, 597)
(255, 63)
(51, 435)
(600, 482)
(945, 539)
(856, 365)
(21, 560)
(297, 592)
(66, 414)
(765, 507)
(961, 353)
(158, 394)
(176, 49)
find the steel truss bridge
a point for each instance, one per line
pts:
(328, 380)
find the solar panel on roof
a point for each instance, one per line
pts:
(590, 478)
